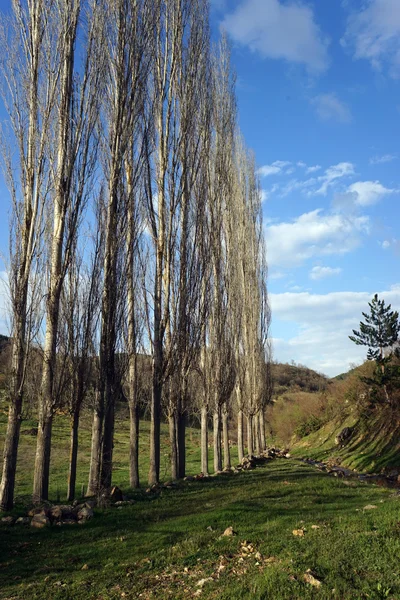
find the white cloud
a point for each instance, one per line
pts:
(332, 174)
(378, 160)
(368, 192)
(323, 324)
(267, 170)
(393, 244)
(330, 107)
(264, 195)
(313, 234)
(277, 275)
(318, 272)
(374, 34)
(279, 31)
(274, 169)
(313, 169)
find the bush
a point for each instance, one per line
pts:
(312, 424)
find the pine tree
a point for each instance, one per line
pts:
(379, 332)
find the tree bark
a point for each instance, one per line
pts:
(240, 439)
(263, 440)
(42, 462)
(204, 440)
(73, 455)
(256, 425)
(225, 427)
(95, 455)
(181, 439)
(173, 434)
(10, 455)
(108, 440)
(134, 445)
(217, 441)
(250, 439)
(155, 409)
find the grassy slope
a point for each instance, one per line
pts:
(160, 547)
(375, 445)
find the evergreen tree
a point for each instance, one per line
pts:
(379, 332)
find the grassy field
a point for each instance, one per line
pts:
(60, 454)
(169, 545)
(163, 545)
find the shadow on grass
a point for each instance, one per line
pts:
(154, 524)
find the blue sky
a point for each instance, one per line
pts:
(318, 86)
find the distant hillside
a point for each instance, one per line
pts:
(345, 375)
(291, 377)
(5, 344)
(4, 341)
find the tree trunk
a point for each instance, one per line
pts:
(204, 440)
(263, 440)
(10, 455)
(42, 461)
(240, 439)
(155, 406)
(225, 427)
(250, 439)
(257, 443)
(181, 439)
(73, 456)
(134, 445)
(217, 441)
(173, 435)
(132, 334)
(95, 457)
(19, 352)
(108, 440)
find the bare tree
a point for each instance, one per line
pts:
(75, 117)
(80, 315)
(28, 95)
(221, 370)
(127, 34)
(187, 265)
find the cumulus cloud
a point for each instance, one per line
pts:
(279, 30)
(373, 34)
(367, 193)
(313, 234)
(323, 323)
(319, 272)
(330, 108)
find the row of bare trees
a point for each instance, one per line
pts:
(136, 233)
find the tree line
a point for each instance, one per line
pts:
(136, 233)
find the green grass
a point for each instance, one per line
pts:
(161, 546)
(60, 454)
(375, 445)
(164, 544)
